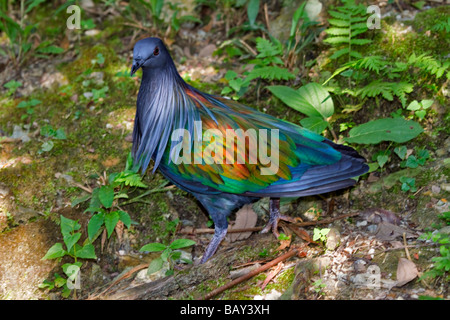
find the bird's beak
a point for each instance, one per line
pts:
(135, 67)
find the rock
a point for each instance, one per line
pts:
(18, 133)
(445, 186)
(97, 77)
(333, 239)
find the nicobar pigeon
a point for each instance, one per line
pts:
(308, 164)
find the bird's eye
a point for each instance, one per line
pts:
(156, 51)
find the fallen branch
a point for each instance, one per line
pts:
(254, 229)
(123, 277)
(251, 274)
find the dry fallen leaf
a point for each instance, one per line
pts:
(406, 271)
(377, 215)
(245, 218)
(388, 232)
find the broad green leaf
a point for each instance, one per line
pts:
(401, 152)
(312, 99)
(95, 223)
(86, 252)
(47, 146)
(71, 239)
(181, 243)
(319, 98)
(79, 200)
(106, 196)
(111, 219)
(60, 134)
(414, 105)
(427, 103)
(125, 218)
(252, 11)
(153, 247)
(387, 129)
(315, 124)
(56, 251)
(68, 226)
(155, 266)
(382, 159)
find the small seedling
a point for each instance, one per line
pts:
(169, 254)
(320, 234)
(71, 236)
(408, 184)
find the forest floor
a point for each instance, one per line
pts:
(372, 249)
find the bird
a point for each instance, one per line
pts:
(182, 130)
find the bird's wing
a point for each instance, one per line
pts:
(305, 159)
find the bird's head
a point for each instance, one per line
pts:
(149, 53)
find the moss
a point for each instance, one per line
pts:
(426, 20)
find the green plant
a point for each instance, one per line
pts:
(50, 133)
(312, 100)
(320, 234)
(408, 184)
(19, 33)
(441, 266)
(388, 129)
(266, 66)
(319, 286)
(28, 105)
(347, 23)
(71, 248)
(103, 204)
(12, 87)
(169, 254)
(419, 109)
(302, 34)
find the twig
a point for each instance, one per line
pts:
(266, 15)
(123, 277)
(406, 247)
(249, 275)
(87, 189)
(246, 45)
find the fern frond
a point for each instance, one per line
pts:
(267, 48)
(270, 73)
(387, 90)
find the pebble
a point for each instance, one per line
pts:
(361, 223)
(446, 186)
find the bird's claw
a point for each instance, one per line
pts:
(275, 220)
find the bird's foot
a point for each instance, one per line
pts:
(219, 235)
(275, 217)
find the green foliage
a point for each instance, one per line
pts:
(12, 87)
(408, 184)
(169, 254)
(430, 65)
(106, 212)
(312, 100)
(348, 23)
(71, 236)
(441, 265)
(50, 133)
(388, 129)
(28, 105)
(266, 66)
(320, 234)
(20, 32)
(420, 108)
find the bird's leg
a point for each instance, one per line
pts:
(219, 235)
(275, 217)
